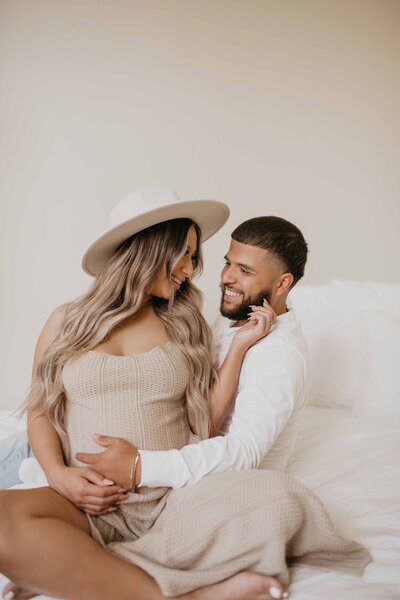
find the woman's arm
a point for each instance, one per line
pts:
(83, 486)
(224, 390)
(43, 438)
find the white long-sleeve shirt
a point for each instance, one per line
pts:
(262, 427)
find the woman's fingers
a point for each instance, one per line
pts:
(268, 317)
(99, 480)
(268, 313)
(261, 324)
(266, 309)
(102, 503)
(102, 491)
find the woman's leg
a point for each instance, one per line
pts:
(45, 545)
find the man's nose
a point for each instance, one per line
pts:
(227, 275)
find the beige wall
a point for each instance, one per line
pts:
(277, 107)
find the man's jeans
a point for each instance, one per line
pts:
(13, 450)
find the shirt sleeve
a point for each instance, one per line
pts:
(272, 378)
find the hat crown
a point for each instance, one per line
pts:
(141, 201)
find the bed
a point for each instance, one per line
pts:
(348, 448)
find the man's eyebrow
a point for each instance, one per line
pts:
(243, 265)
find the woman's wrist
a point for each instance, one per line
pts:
(55, 473)
(239, 346)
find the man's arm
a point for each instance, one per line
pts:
(274, 378)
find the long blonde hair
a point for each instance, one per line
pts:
(116, 295)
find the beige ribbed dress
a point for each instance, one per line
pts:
(249, 520)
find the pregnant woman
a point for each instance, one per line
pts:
(132, 358)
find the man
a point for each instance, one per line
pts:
(265, 260)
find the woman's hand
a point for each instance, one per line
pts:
(87, 489)
(258, 326)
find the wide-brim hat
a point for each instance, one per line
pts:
(143, 208)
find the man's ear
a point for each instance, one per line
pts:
(284, 282)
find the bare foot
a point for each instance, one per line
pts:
(243, 586)
(13, 591)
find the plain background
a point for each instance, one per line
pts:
(277, 107)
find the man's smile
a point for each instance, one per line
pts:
(230, 294)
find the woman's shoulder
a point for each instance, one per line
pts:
(48, 333)
(51, 326)
(56, 317)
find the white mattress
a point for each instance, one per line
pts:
(353, 465)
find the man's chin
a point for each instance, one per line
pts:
(230, 312)
(224, 309)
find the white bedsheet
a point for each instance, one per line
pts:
(353, 465)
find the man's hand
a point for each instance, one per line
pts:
(87, 489)
(116, 460)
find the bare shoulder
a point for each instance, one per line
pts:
(48, 333)
(53, 322)
(56, 316)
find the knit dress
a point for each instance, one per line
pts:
(254, 520)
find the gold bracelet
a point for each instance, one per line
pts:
(133, 471)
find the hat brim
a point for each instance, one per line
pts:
(210, 216)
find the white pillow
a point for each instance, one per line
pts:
(380, 389)
(10, 424)
(386, 295)
(331, 316)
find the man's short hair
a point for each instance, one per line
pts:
(280, 238)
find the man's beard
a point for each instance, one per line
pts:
(241, 312)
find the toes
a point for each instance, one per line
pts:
(10, 590)
(276, 589)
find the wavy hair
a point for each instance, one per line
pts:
(116, 295)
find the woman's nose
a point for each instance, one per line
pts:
(187, 268)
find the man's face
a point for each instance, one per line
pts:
(247, 278)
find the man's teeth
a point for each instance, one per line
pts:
(231, 293)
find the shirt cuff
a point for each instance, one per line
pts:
(162, 468)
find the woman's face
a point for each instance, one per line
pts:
(182, 270)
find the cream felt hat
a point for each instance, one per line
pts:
(145, 207)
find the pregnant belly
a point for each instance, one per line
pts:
(143, 429)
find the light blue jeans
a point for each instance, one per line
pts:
(13, 450)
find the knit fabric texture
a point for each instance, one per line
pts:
(256, 520)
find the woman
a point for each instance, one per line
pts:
(132, 358)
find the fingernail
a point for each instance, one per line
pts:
(112, 508)
(285, 595)
(122, 498)
(9, 596)
(275, 592)
(108, 482)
